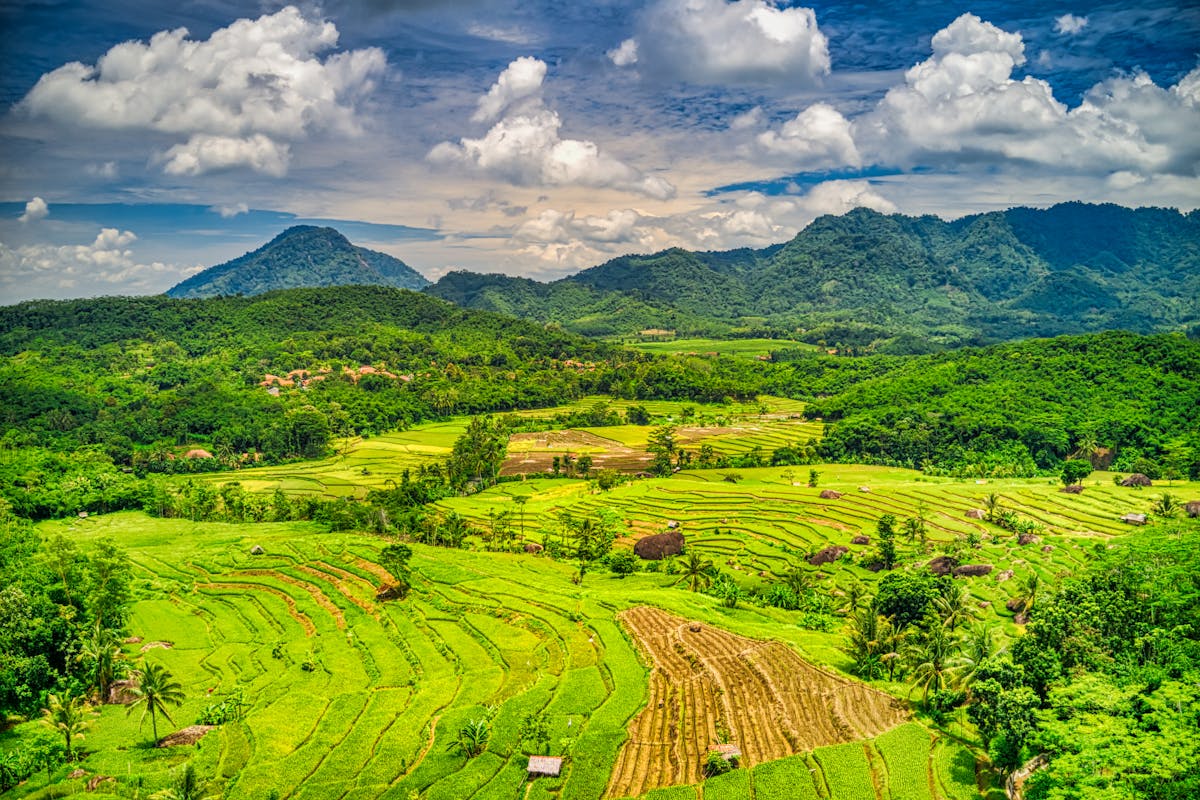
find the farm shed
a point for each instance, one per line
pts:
(730, 752)
(549, 766)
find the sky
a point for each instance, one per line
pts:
(143, 141)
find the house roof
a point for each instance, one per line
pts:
(727, 750)
(545, 765)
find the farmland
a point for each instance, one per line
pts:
(332, 677)
(741, 348)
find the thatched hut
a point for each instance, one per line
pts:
(548, 766)
(730, 752)
(830, 494)
(1074, 488)
(976, 513)
(860, 539)
(257, 550)
(828, 555)
(1134, 519)
(533, 547)
(659, 546)
(942, 565)
(1137, 479)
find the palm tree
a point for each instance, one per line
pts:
(697, 571)
(952, 605)
(1027, 592)
(930, 656)
(473, 737)
(156, 688)
(978, 645)
(102, 652)
(70, 716)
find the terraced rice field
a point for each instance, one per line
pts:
(744, 348)
(708, 684)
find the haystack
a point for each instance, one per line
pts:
(942, 565)
(828, 555)
(185, 736)
(830, 494)
(976, 513)
(533, 547)
(1192, 508)
(1137, 479)
(860, 539)
(659, 546)
(1074, 488)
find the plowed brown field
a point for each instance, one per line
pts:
(772, 703)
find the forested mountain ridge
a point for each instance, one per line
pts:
(910, 283)
(301, 256)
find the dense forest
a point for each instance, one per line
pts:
(890, 283)
(96, 393)
(301, 256)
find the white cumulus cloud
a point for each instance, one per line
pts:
(35, 209)
(717, 42)
(238, 97)
(818, 137)
(1070, 24)
(521, 79)
(105, 265)
(524, 146)
(963, 104)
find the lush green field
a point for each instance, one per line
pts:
(358, 699)
(363, 463)
(744, 348)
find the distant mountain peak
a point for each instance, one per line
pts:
(301, 256)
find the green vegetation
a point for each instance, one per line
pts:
(864, 281)
(302, 256)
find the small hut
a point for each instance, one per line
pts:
(257, 550)
(730, 752)
(1137, 479)
(1134, 519)
(830, 494)
(976, 513)
(548, 766)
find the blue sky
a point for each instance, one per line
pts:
(541, 138)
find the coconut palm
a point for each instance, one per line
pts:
(69, 716)
(155, 689)
(1027, 592)
(952, 605)
(930, 656)
(697, 571)
(978, 645)
(473, 737)
(101, 652)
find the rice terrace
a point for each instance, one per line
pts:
(735, 434)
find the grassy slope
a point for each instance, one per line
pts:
(496, 630)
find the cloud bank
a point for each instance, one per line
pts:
(236, 99)
(524, 146)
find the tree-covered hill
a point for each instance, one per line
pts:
(301, 256)
(903, 284)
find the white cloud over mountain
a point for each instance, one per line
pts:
(524, 146)
(717, 42)
(962, 106)
(238, 97)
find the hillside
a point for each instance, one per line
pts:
(301, 256)
(902, 284)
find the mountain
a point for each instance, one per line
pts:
(909, 283)
(301, 256)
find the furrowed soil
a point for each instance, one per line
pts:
(709, 685)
